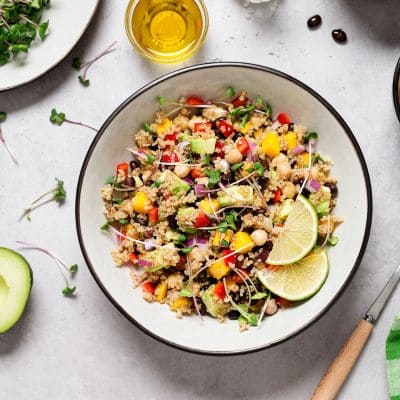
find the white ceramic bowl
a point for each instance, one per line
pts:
(210, 81)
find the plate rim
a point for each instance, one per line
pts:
(202, 66)
(395, 89)
(58, 62)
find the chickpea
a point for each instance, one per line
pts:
(279, 160)
(182, 170)
(284, 170)
(234, 156)
(259, 237)
(272, 307)
(289, 190)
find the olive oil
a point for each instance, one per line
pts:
(169, 30)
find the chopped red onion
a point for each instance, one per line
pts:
(181, 146)
(144, 263)
(188, 180)
(199, 190)
(250, 153)
(197, 241)
(313, 186)
(299, 149)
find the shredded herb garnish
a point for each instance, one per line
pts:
(214, 176)
(78, 64)
(58, 118)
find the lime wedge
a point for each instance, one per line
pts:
(298, 235)
(297, 281)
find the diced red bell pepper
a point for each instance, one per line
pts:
(170, 157)
(171, 137)
(283, 118)
(277, 196)
(225, 128)
(122, 168)
(195, 101)
(231, 260)
(219, 148)
(134, 258)
(242, 145)
(219, 290)
(153, 215)
(238, 278)
(202, 126)
(148, 287)
(283, 303)
(240, 101)
(202, 220)
(197, 172)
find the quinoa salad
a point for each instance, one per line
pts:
(203, 198)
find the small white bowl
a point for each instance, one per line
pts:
(285, 94)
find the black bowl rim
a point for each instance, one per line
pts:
(222, 65)
(396, 100)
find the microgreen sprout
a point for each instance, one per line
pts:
(56, 194)
(65, 270)
(3, 117)
(20, 24)
(230, 92)
(58, 118)
(79, 65)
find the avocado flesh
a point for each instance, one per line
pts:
(203, 146)
(214, 307)
(245, 193)
(15, 287)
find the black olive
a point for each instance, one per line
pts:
(233, 314)
(333, 188)
(339, 35)
(314, 21)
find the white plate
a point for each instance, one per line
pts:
(68, 20)
(210, 81)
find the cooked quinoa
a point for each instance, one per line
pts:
(197, 208)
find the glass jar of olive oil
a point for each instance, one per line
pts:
(166, 31)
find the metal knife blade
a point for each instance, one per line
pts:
(376, 309)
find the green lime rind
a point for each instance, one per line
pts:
(297, 281)
(286, 237)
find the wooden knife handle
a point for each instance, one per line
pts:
(343, 363)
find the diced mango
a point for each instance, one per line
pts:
(161, 291)
(131, 232)
(243, 242)
(207, 206)
(258, 133)
(291, 140)
(303, 160)
(245, 167)
(141, 203)
(218, 270)
(217, 238)
(180, 303)
(228, 235)
(270, 144)
(163, 126)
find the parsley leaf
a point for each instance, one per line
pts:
(214, 176)
(147, 127)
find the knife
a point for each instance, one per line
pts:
(345, 359)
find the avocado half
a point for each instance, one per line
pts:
(15, 287)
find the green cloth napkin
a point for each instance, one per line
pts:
(393, 360)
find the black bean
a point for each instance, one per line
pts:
(148, 233)
(263, 255)
(333, 188)
(172, 222)
(339, 35)
(314, 21)
(291, 126)
(233, 314)
(130, 182)
(268, 245)
(134, 164)
(202, 307)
